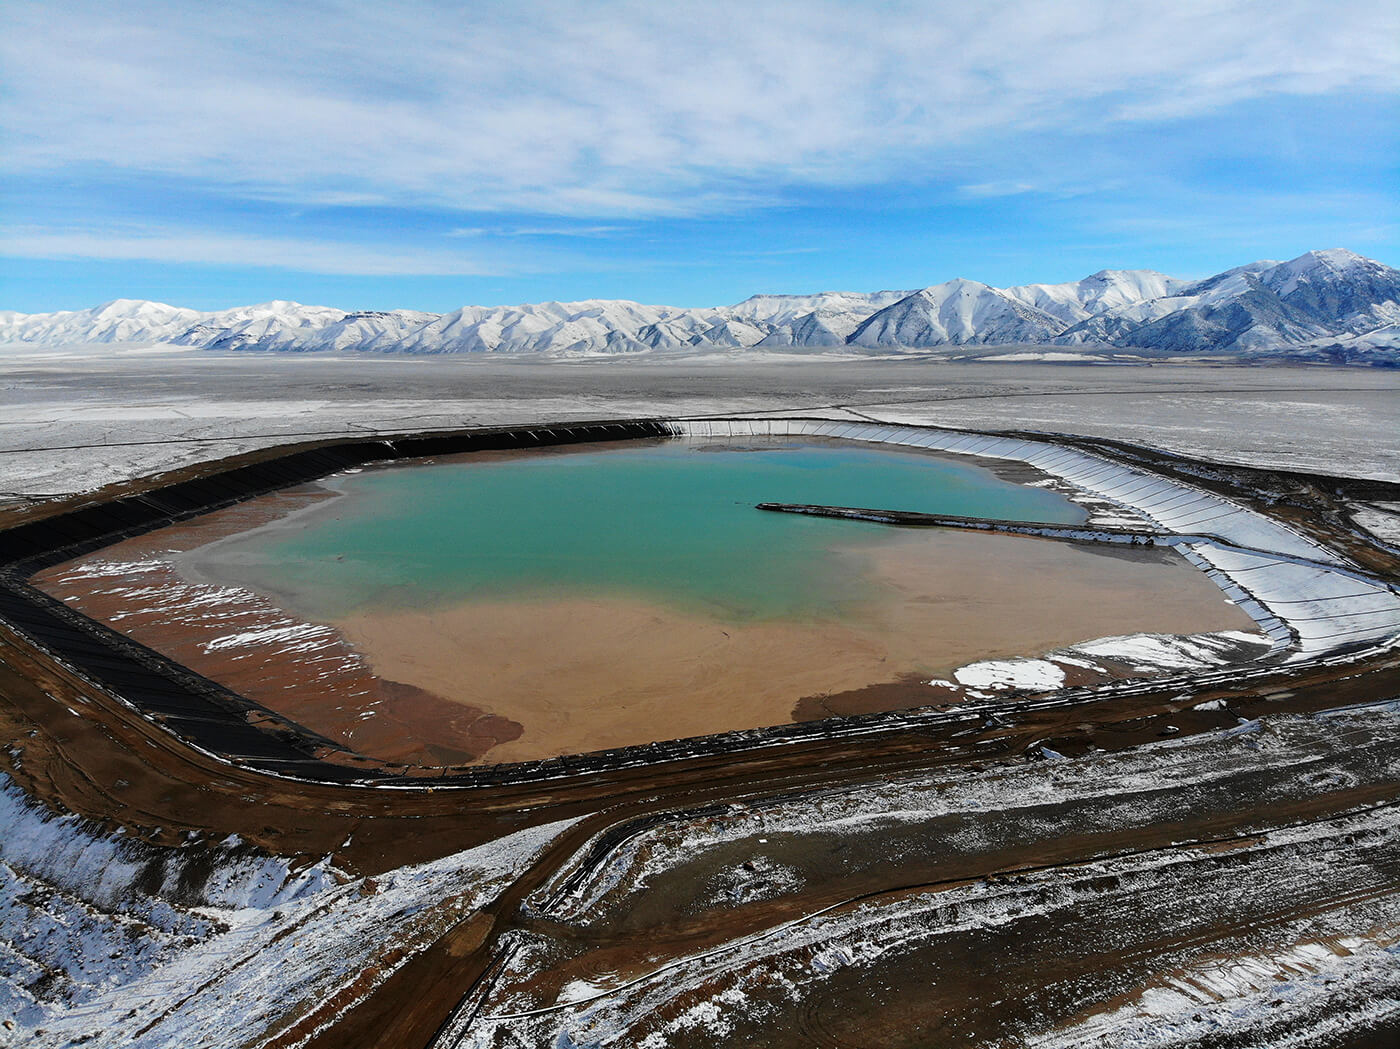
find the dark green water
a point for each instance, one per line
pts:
(672, 522)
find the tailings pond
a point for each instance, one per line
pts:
(521, 605)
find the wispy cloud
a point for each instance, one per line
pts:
(178, 246)
(631, 108)
(1059, 179)
(1002, 188)
(772, 253)
(535, 231)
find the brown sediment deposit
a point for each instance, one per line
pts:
(306, 672)
(583, 673)
(243, 641)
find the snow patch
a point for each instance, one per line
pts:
(1025, 675)
(1157, 652)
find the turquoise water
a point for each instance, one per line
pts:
(673, 522)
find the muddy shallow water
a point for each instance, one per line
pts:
(583, 675)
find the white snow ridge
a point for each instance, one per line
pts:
(1325, 305)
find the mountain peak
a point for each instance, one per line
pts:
(1113, 276)
(280, 306)
(1338, 258)
(1337, 266)
(1328, 261)
(1331, 303)
(128, 306)
(958, 284)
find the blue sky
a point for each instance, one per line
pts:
(430, 155)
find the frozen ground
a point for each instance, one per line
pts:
(1171, 937)
(73, 419)
(84, 938)
(1271, 908)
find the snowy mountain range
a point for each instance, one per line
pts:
(1326, 305)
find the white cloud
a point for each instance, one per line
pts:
(180, 246)
(1000, 188)
(535, 231)
(631, 107)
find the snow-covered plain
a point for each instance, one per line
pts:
(76, 418)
